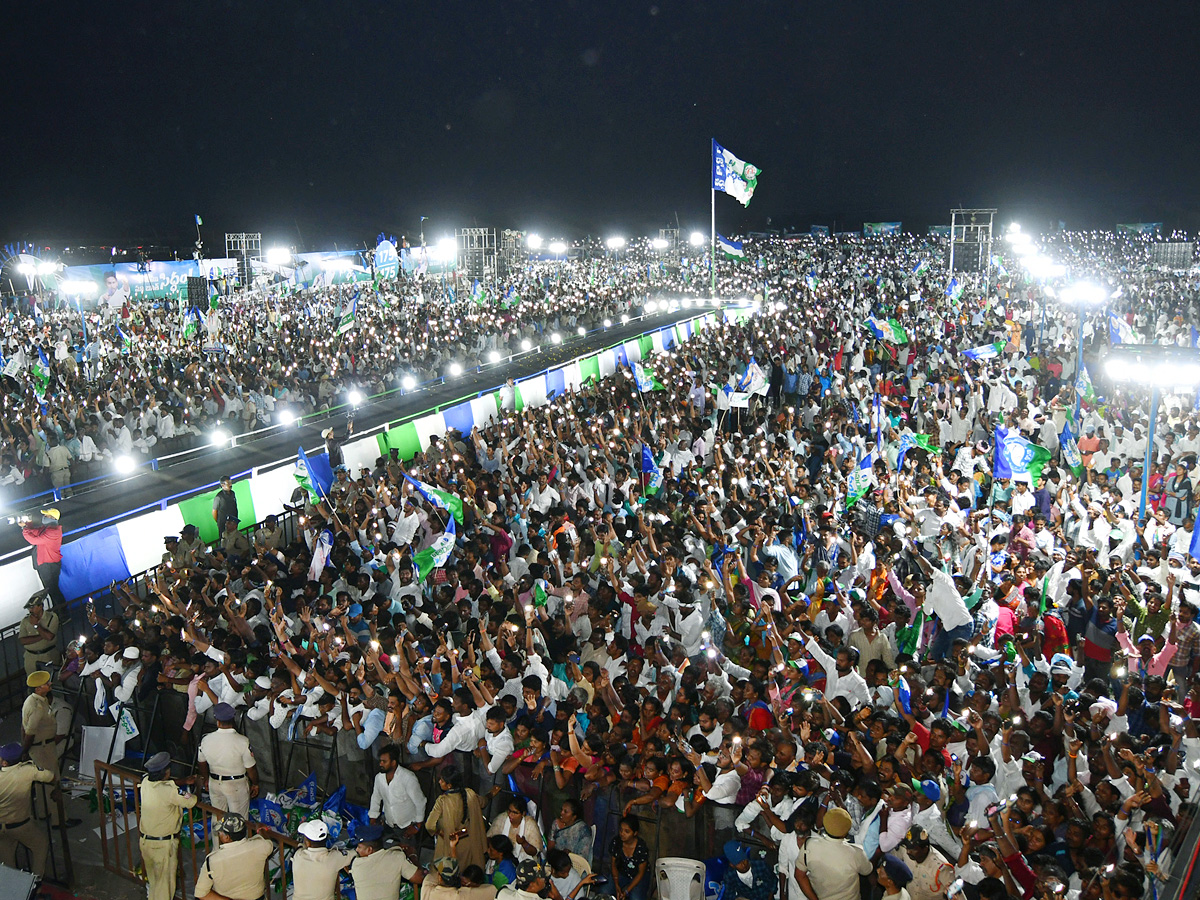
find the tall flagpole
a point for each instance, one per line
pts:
(712, 253)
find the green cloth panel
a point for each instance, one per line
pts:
(198, 511)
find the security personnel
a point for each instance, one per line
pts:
(17, 825)
(39, 635)
(162, 806)
(315, 867)
(40, 733)
(378, 873)
(227, 754)
(237, 869)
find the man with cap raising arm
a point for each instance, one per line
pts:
(378, 872)
(227, 755)
(314, 866)
(160, 815)
(46, 539)
(39, 635)
(930, 873)
(829, 867)
(40, 734)
(236, 870)
(17, 825)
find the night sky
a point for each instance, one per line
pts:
(333, 121)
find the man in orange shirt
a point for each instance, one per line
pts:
(1088, 444)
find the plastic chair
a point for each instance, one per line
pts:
(679, 878)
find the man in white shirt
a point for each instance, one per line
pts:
(396, 797)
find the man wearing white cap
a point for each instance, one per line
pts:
(131, 667)
(314, 866)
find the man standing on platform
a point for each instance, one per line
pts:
(46, 539)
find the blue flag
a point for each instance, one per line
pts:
(1119, 331)
(271, 814)
(905, 694)
(878, 424)
(1194, 547)
(306, 794)
(652, 476)
(1016, 456)
(318, 472)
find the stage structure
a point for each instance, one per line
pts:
(971, 241)
(243, 247)
(513, 252)
(476, 254)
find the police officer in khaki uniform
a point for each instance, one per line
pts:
(39, 635)
(40, 733)
(236, 870)
(227, 765)
(17, 825)
(378, 873)
(162, 806)
(315, 867)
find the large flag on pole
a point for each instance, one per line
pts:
(732, 249)
(191, 323)
(1083, 385)
(732, 176)
(1015, 457)
(1071, 456)
(1119, 331)
(317, 477)
(41, 374)
(754, 381)
(985, 351)
(645, 379)
(652, 476)
(439, 498)
(435, 555)
(346, 322)
(914, 442)
(887, 330)
(860, 481)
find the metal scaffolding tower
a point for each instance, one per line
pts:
(477, 253)
(971, 241)
(243, 248)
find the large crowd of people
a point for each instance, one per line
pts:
(776, 607)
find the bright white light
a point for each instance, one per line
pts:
(124, 464)
(1041, 267)
(526, 346)
(616, 242)
(1084, 293)
(533, 241)
(220, 438)
(581, 331)
(494, 356)
(1014, 228)
(624, 319)
(558, 248)
(355, 397)
(1018, 238)
(1024, 249)
(445, 250)
(408, 382)
(556, 338)
(608, 323)
(455, 369)
(1164, 373)
(660, 243)
(47, 268)
(338, 264)
(78, 287)
(697, 238)
(286, 417)
(687, 301)
(780, 306)
(652, 306)
(278, 256)
(28, 269)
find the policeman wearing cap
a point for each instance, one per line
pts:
(236, 870)
(379, 872)
(227, 765)
(39, 730)
(39, 635)
(160, 816)
(930, 872)
(17, 825)
(46, 538)
(315, 867)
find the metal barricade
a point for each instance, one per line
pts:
(120, 808)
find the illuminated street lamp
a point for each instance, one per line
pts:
(558, 248)
(660, 243)
(1084, 296)
(616, 242)
(534, 242)
(1156, 367)
(697, 238)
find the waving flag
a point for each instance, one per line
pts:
(1015, 457)
(439, 498)
(887, 330)
(1083, 385)
(904, 692)
(1071, 456)
(435, 555)
(645, 379)
(914, 441)
(732, 249)
(126, 340)
(478, 292)
(1119, 331)
(754, 380)
(346, 322)
(922, 267)
(732, 176)
(191, 324)
(316, 477)
(541, 593)
(954, 289)
(652, 477)
(985, 351)
(40, 374)
(860, 481)
(320, 554)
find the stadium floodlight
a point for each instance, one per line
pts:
(556, 338)
(1084, 293)
(456, 369)
(526, 346)
(220, 438)
(1018, 238)
(533, 241)
(616, 242)
(124, 464)
(494, 357)
(581, 331)
(660, 243)
(1041, 267)
(624, 319)
(1014, 227)
(287, 417)
(651, 306)
(558, 248)
(355, 397)
(27, 269)
(47, 268)
(408, 382)
(279, 256)
(445, 250)
(608, 323)
(697, 238)
(1024, 249)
